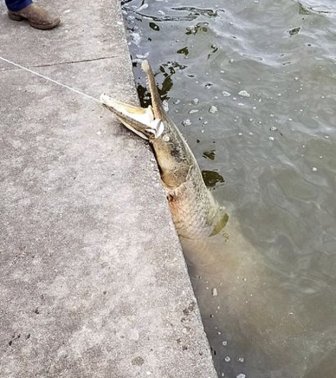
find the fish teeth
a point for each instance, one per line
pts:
(157, 127)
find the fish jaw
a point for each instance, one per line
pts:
(173, 155)
(171, 151)
(139, 120)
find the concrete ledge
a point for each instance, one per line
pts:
(93, 281)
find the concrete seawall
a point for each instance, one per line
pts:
(92, 277)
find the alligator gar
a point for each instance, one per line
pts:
(194, 210)
(247, 302)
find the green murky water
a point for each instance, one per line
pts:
(252, 86)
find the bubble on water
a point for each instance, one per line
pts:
(241, 375)
(136, 38)
(214, 292)
(240, 134)
(272, 115)
(296, 78)
(251, 133)
(322, 96)
(227, 359)
(219, 333)
(251, 119)
(240, 104)
(195, 101)
(241, 359)
(254, 107)
(321, 157)
(224, 343)
(326, 136)
(161, 12)
(142, 7)
(176, 102)
(271, 138)
(273, 128)
(142, 56)
(213, 109)
(205, 122)
(165, 105)
(226, 94)
(314, 169)
(244, 93)
(186, 122)
(193, 111)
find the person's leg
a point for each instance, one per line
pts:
(17, 5)
(37, 16)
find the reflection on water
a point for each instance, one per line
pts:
(251, 84)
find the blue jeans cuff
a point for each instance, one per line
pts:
(17, 5)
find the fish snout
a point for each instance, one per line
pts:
(139, 120)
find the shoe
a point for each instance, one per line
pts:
(37, 17)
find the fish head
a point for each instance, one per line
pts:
(169, 148)
(139, 120)
(172, 153)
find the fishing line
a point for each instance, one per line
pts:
(48, 79)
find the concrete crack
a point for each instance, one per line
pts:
(61, 63)
(73, 62)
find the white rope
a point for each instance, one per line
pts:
(48, 79)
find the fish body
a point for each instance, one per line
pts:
(194, 210)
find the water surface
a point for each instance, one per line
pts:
(252, 86)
